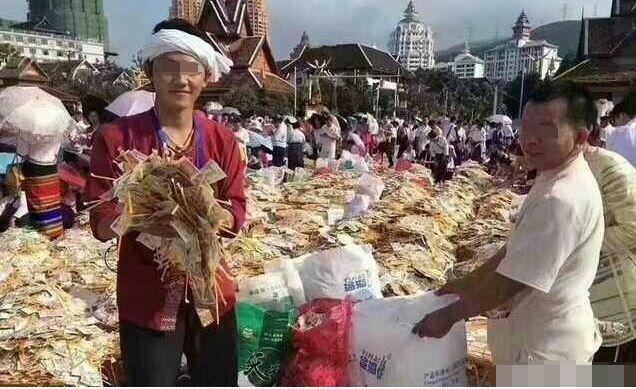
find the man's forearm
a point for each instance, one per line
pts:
(495, 291)
(476, 278)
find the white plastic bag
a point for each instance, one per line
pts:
(274, 286)
(386, 353)
(372, 186)
(357, 206)
(337, 273)
(289, 268)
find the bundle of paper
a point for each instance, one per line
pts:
(158, 190)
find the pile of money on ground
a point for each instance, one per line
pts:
(57, 304)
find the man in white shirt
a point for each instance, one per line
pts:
(421, 138)
(279, 141)
(550, 260)
(622, 140)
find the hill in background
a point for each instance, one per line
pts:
(564, 34)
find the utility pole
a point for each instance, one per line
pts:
(445, 101)
(295, 91)
(521, 94)
(494, 103)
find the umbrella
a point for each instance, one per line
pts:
(231, 111)
(32, 115)
(503, 119)
(131, 103)
(257, 140)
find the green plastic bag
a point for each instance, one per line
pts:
(264, 337)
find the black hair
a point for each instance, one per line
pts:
(627, 106)
(181, 25)
(581, 111)
(322, 120)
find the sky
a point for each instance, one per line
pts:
(347, 21)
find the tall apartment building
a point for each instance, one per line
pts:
(83, 19)
(186, 9)
(258, 16)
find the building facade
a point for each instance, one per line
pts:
(520, 53)
(258, 15)
(49, 46)
(465, 65)
(186, 9)
(412, 42)
(84, 19)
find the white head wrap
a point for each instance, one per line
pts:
(170, 41)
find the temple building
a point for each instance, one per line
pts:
(227, 25)
(607, 53)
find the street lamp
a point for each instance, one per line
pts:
(523, 73)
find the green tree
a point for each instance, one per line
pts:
(101, 84)
(513, 92)
(254, 102)
(7, 51)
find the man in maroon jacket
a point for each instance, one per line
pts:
(158, 323)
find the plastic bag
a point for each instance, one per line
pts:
(283, 283)
(337, 273)
(357, 206)
(372, 186)
(321, 340)
(264, 338)
(386, 353)
(273, 175)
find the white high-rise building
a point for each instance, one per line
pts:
(412, 42)
(507, 60)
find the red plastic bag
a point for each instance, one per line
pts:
(321, 341)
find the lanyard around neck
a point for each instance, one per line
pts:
(200, 159)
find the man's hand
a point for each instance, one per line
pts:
(452, 287)
(436, 324)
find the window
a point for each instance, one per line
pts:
(42, 41)
(59, 43)
(6, 37)
(19, 39)
(46, 52)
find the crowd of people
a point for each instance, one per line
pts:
(567, 242)
(440, 143)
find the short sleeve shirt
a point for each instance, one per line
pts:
(554, 250)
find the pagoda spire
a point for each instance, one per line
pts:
(410, 13)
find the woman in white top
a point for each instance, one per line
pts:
(438, 147)
(477, 139)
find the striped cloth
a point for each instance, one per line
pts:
(44, 198)
(613, 294)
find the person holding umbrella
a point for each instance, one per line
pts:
(157, 321)
(38, 122)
